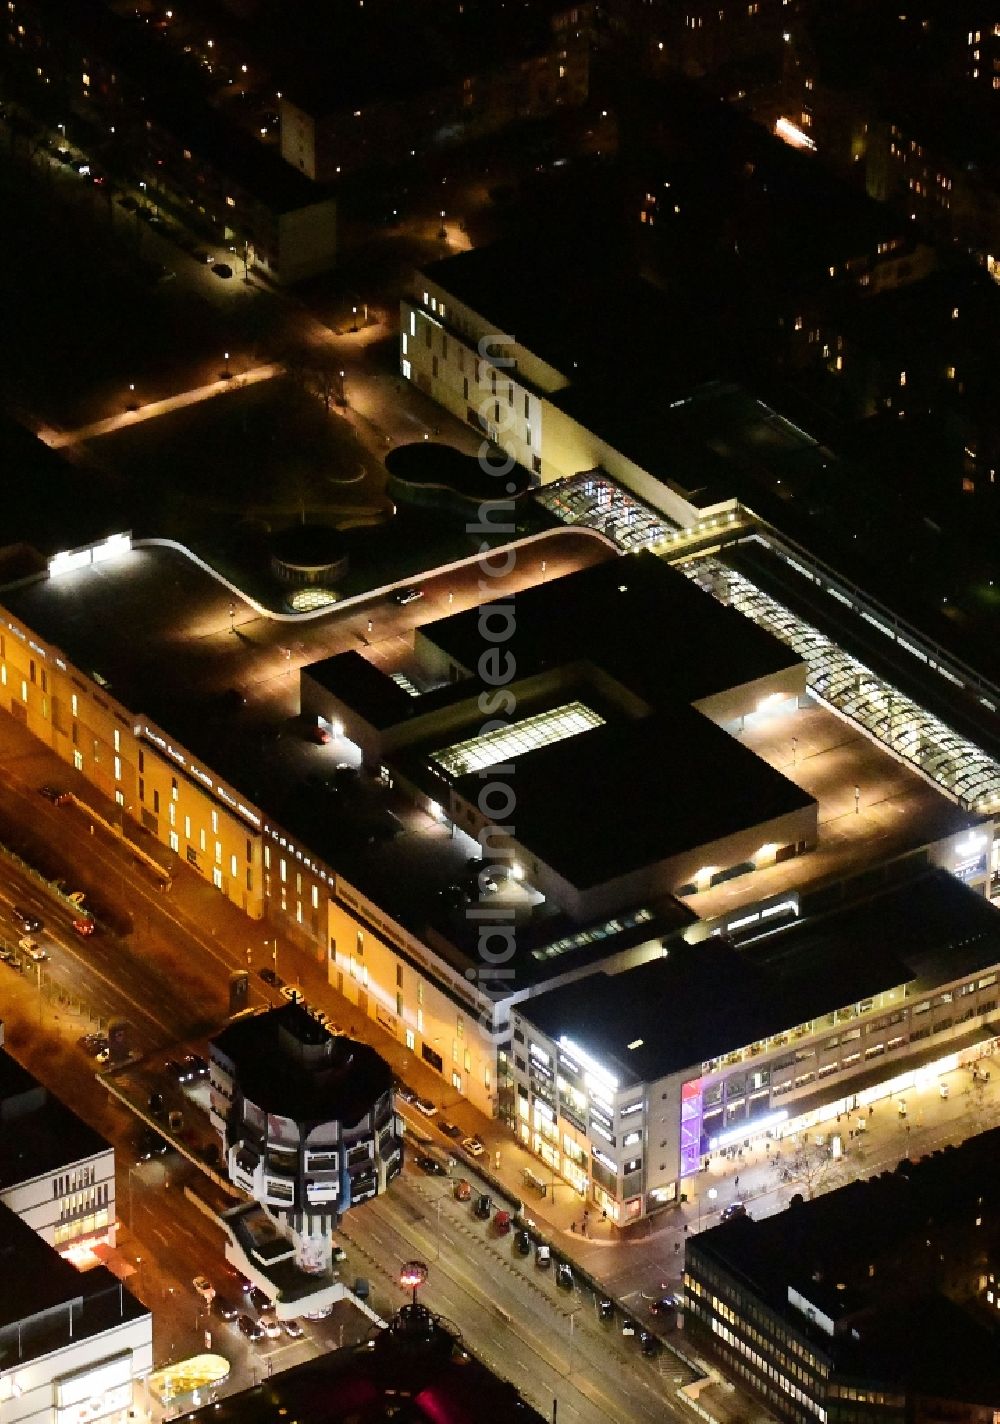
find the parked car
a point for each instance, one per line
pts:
(629, 1326)
(430, 1165)
(259, 1300)
(502, 1223)
(522, 1243)
(7, 956)
(664, 1308)
(53, 794)
(250, 1328)
(449, 1129)
(28, 921)
(196, 1065)
(339, 1254)
(564, 1275)
(210, 1154)
(323, 1312)
(463, 1190)
(425, 1106)
(735, 1208)
(204, 1288)
(84, 927)
(226, 1309)
(32, 949)
(474, 1146)
(239, 1279)
(77, 897)
(605, 1308)
(648, 1344)
(405, 1094)
(269, 977)
(156, 1104)
(293, 1329)
(483, 1208)
(403, 596)
(150, 1145)
(543, 1256)
(270, 1327)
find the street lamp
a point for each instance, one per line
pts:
(225, 373)
(133, 1169)
(354, 318)
(444, 231)
(712, 1194)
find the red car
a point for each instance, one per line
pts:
(84, 927)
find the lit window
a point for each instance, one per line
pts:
(118, 768)
(230, 202)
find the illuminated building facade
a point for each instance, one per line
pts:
(56, 1173)
(775, 1021)
(73, 1346)
(871, 1304)
(307, 1125)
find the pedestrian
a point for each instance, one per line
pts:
(677, 1247)
(604, 1215)
(91, 828)
(572, 1227)
(736, 1180)
(871, 1110)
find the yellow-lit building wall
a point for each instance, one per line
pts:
(428, 1007)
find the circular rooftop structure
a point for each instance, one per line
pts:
(309, 554)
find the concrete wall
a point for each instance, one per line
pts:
(74, 1204)
(307, 241)
(512, 401)
(412, 995)
(28, 1392)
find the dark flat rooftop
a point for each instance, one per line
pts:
(903, 1326)
(370, 692)
(38, 1134)
(630, 793)
(704, 1000)
(36, 1280)
(575, 308)
(636, 618)
(343, 1086)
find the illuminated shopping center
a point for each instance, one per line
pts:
(671, 762)
(786, 1017)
